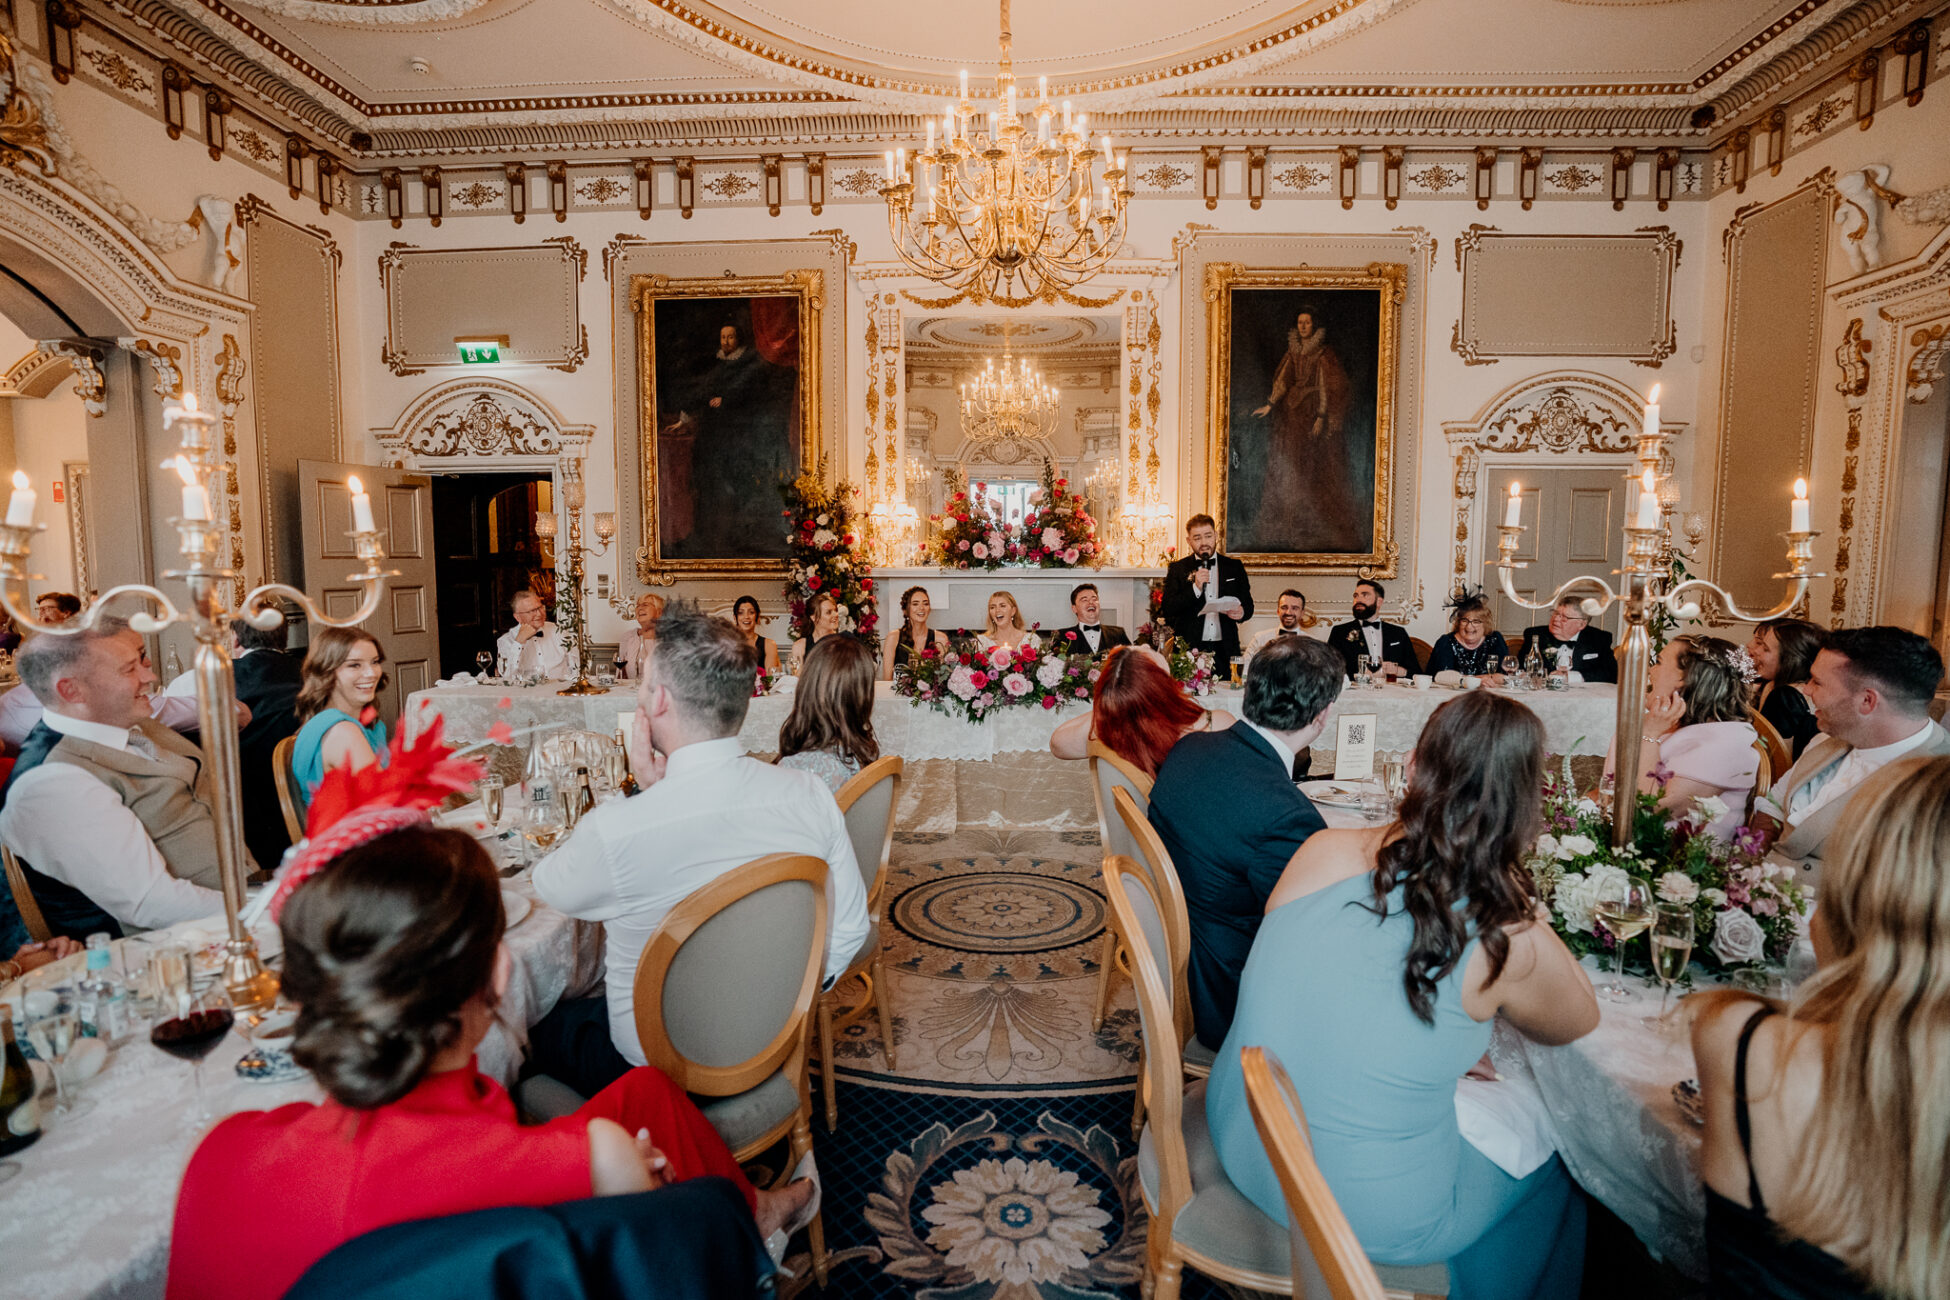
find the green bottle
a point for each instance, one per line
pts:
(20, 1109)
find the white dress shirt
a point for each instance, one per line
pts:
(66, 824)
(19, 711)
(543, 653)
(631, 860)
(1280, 747)
(1839, 778)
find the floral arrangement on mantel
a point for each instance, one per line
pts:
(823, 554)
(1746, 910)
(1057, 532)
(977, 683)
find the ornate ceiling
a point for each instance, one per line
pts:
(399, 79)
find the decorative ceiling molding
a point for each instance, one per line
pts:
(369, 13)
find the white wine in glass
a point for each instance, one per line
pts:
(493, 792)
(1626, 911)
(1672, 948)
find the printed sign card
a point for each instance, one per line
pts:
(1354, 747)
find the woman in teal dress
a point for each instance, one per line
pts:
(343, 672)
(1384, 955)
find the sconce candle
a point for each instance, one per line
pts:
(20, 506)
(1513, 510)
(196, 498)
(1652, 414)
(361, 506)
(1798, 508)
(1648, 502)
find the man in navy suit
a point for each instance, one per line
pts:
(1591, 652)
(1230, 816)
(1387, 644)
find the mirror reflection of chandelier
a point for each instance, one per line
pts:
(1013, 212)
(1009, 402)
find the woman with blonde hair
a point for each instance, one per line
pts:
(822, 621)
(1005, 626)
(343, 673)
(1827, 1146)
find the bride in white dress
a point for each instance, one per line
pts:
(1005, 625)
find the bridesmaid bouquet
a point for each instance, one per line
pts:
(1746, 910)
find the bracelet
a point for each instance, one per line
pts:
(10, 971)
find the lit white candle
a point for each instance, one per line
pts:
(20, 506)
(1108, 155)
(1797, 508)
(196, 499)
(900, 163)
(1652, 414)
(1042, 89)
(361, 506)
(1066, 115)
(890, 166)
(964, 85)
(1648, 502)
(930, 135)
(1513, 509)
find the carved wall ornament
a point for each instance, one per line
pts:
(481, 418)
(1931, 208)
(230, 375)
(90, 385)
(166, 359)
(1559, 421)
(1925, 369)
(1858, 212)
(1852, 356)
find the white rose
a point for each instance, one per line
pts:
(1737, 937)
(823, 536)
(1677, 887)
(1715, 896)
(1575, 846)
(1547, 845)
(1588, 806)
(1712, 807)
(1573, 900)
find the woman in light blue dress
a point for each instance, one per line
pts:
(1384, 955)
(343, 673)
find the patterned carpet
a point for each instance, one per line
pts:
(996, 1160)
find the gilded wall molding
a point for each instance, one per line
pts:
(1925, 369)
(480, 419)
(81, 499)
(165, 360)
(82, 358)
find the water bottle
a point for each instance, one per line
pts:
(95, 995)
(172, 666)
(1533, 666)
(1560, 678)
(536, 776)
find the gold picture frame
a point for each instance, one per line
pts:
(1323, 491)
(703, 544)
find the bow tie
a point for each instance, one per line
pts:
(1090, 627)
(1367, 622)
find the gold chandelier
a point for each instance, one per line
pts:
(1007, 402)
(1013, 211)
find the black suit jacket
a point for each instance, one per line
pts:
(1591, 653)
(1181, 605)
(267, 681)
(1230, 816)
(1395, 646)
(1071, 638)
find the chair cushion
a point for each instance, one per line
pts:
(1198, 1057)
(745, 1117)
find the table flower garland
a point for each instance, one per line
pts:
(1746, 910)
(1056, 533)
(977, 683)
(823, 554)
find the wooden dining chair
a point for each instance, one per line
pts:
(1422, 651)
(868, 802)
(1763, 774)
(1780, 756)
(1109, 772)
(1162, 876)
(289, 802)
(30, 910)
(723, 1001)
(1327, 1259)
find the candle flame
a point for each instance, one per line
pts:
(1654, 399)
(21, 481)
(1516, 489)
(1646, 482)
(353, 484)
(184, 470)
(189, 401)
(1801, 489)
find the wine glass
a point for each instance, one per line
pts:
(54, 1022)
(493, 796)
(484, 659)
(1512, 672)
(1672, 948)
(542, 826)
(1625, 907)
(189, 1025)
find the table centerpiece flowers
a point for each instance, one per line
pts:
(1057, 531)
(972, 684)
(1747, 910)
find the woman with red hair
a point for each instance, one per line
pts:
(1139, 712)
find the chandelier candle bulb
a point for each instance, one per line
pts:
(361, 505)
(1652, 414)
(196, 498)
(1066, 117)
(1797, 508)
(1648, 516)
(20, 506)
(1513, 509)
(1042, 90)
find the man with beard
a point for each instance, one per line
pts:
(1306, 409)
(734, 416)
(1199, 579)
(1386, 644)
(1294, 621)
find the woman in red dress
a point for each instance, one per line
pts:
(393, 953)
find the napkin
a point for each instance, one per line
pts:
(458, 679)
(1448, 677)
(1505, 1119)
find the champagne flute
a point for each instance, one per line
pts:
(189, 1025)
(1625, 907)
(493, 796)
(1672, 948)
(1394, 779)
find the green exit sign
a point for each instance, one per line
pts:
(480, 352)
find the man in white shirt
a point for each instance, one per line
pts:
(1871, 689)
(706, 809)
(533, 645)
(108, 810)
(1292, 610)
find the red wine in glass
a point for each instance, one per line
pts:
(192, 1037)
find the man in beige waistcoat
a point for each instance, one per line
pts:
(1871, 689)
(108, 810)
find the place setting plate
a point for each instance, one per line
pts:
(517, 906)
(1333, 794)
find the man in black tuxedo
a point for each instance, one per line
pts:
(1591, 652)
(1365, 634)
(1088, 634)
(1203, 576)
(1230, 816)
(268, 677)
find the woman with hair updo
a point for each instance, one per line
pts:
(915, 635)
(1783, 651)
(830, 729)
(1139, 712)
(1826, 1162)
(393, 952)
(765, 651)
(1697, 742)
(1470, 646)
(343, 674)
(1384, 956)
(822, 621)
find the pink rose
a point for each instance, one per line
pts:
(962, 545)
(1049, 701)
(981, 551)
(1052, 538)
(1082, 693)
(1070, 556)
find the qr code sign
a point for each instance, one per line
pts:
(1357, 733)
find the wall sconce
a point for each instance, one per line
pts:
(1209, 182)
(686, 186)
(774, 183)
(604, 522)
(1621, 176)
(62, 19)
(434, 185)
(217, 107)
(546, 525)
(1485, 176)
(389, 180)
(1867, 72)
(816, 181)
(1350, 173)
(1255, 175)
(1391, 175)
(517, 177)
(558, 189)
(1663, 176)
(327, 174)
(1913, 43)
(295, 150)
(646, 187)
(1742, 146)
(175, 81)
(1528, 161)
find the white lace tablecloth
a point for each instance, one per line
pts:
(1579, 720)
(90, 1212)
(902, 728)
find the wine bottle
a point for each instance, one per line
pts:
(585, 793)
(20, 1109)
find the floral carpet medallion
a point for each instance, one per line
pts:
(982, 918)
(976, 1214)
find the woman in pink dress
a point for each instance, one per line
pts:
(1697, 742)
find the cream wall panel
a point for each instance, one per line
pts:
(1581, 296)
(527, 295)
